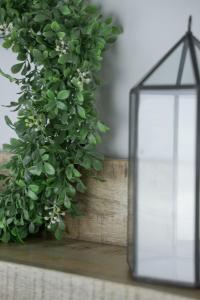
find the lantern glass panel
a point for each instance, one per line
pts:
(165, 160)
(197, 51)
(167, 72)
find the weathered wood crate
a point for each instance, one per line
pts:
(105, 206)
(105, 203)
(4, 157)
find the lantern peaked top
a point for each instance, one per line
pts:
(179, 68)
(190, 23)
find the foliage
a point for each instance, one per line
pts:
(59, 46)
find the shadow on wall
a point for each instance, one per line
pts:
(106, 100)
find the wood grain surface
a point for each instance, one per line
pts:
(4, 157)
(105, 205)
(44, 270)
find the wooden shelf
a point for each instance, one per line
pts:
(74, 270)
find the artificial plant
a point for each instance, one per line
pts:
(59, 46)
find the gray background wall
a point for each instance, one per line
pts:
(151, 27)
(8, 93)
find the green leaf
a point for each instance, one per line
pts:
(2, 224)
(15, 142)
(26, 160)
(45, 54)
(31, 228)
(45, 157)
(21, 56)
(71, 190)
(69, 172)
(34, 188)
(61, 105)
(10, 78)
(81, 112)
(64, 94)
(42, 151)
(9, 221)
(80, 97)
(67, 72)
(48, 192)
(92, 139)
(49, 35)
(102, 127)
(37, 55)
(35, 170)
(61, 35)
(32, 195)
(97, 165)
(40, 18)
(9, 122)
(12, 104)
(20, 183)
(76, 173)
(63, 59)
(81, 187)
(86, 163)
(67, 202)
(91, 9)
(7, 147)
(51, 94)
(59, 234)
(26, 214)
(5, 237)
(55, 26)
(16, 68)
(83, 133)
(109, 21)
(61, 225)
(117, 30)
(7, 43)
(65, 10)
(16, 48)
(72, 58)
(50, 106)
(49, 169)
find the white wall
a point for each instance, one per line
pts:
(151, 27)
(8, 93)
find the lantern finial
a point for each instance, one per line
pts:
(190, 23)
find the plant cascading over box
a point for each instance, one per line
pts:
(59, 46)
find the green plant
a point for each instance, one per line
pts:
(59, 46)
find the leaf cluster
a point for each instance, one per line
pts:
(60, 47)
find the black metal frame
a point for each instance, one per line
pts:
(189, 42)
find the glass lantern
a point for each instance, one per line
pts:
(164, 174)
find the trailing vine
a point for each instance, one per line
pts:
(59, 47)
